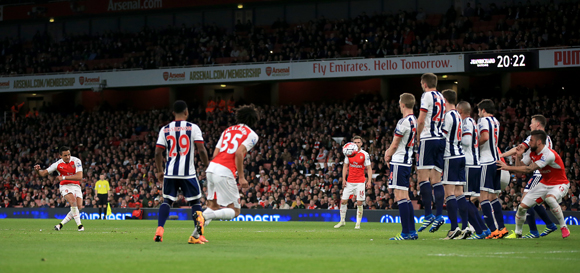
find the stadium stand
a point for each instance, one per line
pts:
(521, 26)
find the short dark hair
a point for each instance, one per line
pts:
(430, 79)
(179, 106)
(450, 96)
(487, 105)
(539, 134)
(247, 114)
(63, 149)
(540, 119)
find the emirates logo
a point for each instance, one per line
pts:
(81, 80)
(165, 75)
(268, 70)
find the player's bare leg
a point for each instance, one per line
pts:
(343, 208)
(359, 214)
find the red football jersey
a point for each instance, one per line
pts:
(66, 169)
(356, 167)
(228, 144)
(551, 166)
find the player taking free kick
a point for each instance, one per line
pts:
(70, 170)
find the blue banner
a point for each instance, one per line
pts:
(253, 215)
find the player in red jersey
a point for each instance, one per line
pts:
(355, 184)
(223, 196)
(70, 170)
(553, 186)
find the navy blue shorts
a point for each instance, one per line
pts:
(400, 175)
(454, 172)
(490, 178)
(533, 182)
(472, 185)
(189, 187)
(431, 154)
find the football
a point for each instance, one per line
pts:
(350, 149)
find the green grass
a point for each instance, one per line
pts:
(30, 245)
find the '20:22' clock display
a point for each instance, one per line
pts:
(520, 61)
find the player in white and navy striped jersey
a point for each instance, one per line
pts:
(431, 147)
(538, 122)
(177, 140)
(489, 127)
(400, 156)
(454, 170)
(470, 145)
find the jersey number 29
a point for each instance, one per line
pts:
(184, 144)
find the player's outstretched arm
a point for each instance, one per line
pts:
(520, 148)
(40, 172)
(239, 158)
(202, 153)
(522, 169)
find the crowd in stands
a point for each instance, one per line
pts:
(494, 27)
(296, 164)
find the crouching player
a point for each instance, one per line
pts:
(553, 186)
(223, 196)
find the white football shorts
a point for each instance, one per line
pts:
(357, 189)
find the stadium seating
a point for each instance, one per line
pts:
(149, 49)
(125, 152)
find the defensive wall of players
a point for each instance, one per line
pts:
(301, 70)
(260, 215)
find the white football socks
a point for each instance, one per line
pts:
(359, 213)
(343, 208)
(556, 210)
(222, 214)
(76, 215)
(520, 219)
(208, 214)
(66, 219)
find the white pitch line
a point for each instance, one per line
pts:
(495, 255)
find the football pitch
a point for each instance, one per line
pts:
(31, 245)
